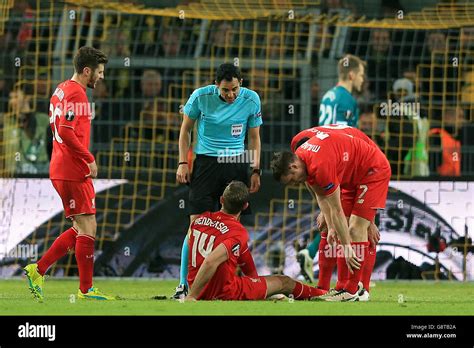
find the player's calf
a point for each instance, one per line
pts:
(287, 286)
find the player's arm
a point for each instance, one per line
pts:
(335, 218)
(207, 270)
(70, 139)
(254, 147)
(310, 189)
(182, 174)
(247, 264)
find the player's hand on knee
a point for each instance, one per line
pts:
(332, 237)
(93, 170)
(373, 234)
(321, 222)
(353, 262)
(182, 174)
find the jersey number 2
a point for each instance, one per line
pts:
(198, 245)
(364, 188)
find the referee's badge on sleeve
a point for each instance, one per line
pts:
(237, 130)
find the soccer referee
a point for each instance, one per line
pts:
(224, 113)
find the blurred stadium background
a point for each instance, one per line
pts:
(288, 52)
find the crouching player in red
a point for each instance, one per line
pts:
(218, 243)
(71, 171)
(327, 256)
(335, 162)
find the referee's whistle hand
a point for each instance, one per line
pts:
(182, 174)
(254, 183)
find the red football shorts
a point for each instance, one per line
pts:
(368, 196)
(78, 197)
(247, 289)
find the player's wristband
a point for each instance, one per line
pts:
(180, 163)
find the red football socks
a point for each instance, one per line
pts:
(327, 261)
(60, 247)
(360, 249)
(304, 292)
(368, 267)
(85, 261)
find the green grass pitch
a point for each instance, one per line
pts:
(387, 298)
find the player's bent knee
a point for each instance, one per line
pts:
(86, 224)
(274, 285)
(358, 228)
(288, 284)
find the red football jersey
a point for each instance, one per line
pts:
(331, 128)
(337, 159)
(208, 231)
(69, 107)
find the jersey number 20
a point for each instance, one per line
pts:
(53, 113)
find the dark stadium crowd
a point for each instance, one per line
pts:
(147, 81)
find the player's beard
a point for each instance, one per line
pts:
(91, 83)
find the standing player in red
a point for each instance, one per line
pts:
(72, 169)
(327, 254)
(218, 243)
(332, 163)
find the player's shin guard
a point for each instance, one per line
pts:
(368, 266)
(85, 261)
(342, 270)
(304, 292)
(360, 249)
(65, 242)
(327, 260)
(183, 272)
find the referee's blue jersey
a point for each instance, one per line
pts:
(221, 127)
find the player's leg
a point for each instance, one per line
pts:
(375, 198)
(347, 201)
(364, 294)
(327, 258)
(280, 284)
(65, 242)
(202, 197)
(182, 289)
(358, 233)
(35, 272)
(84, 221)
(87, 227)
(370, 197)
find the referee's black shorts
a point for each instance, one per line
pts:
(209, 179)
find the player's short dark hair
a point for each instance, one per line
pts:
(89, 57)
(280, 163)
(347, 64)
(236, 194)
(228, 71)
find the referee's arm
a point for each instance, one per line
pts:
(182, 174)
(254, 147)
